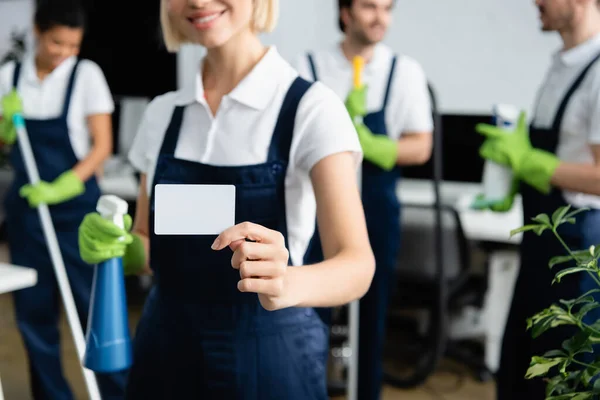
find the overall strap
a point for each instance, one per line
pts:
(16, 74)
(313, 66)
(69, 91)
(172, 135)
(556, 125)
(281, 142)
(390, 82)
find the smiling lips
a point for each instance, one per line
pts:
(205, 20)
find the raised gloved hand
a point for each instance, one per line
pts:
(11, 105)
(513, 148)
(100, 239)
(378, 149)
(356, 103)
(503, 206)
(63, 188)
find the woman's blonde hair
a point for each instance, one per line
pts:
(264, 19)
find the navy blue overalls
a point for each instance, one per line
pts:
(534, 290)
(382, 211)
(199, 337)
(37, 308)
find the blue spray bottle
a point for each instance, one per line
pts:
(108, 342)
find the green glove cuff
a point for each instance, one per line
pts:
(382, 151)
(537, 169)
(378, 149)
(70, 182)
(134, 259)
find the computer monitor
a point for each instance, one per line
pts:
(460, 145)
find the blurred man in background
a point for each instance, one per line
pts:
(556, 160)
(393, 119)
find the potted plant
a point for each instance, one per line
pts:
(567, 376)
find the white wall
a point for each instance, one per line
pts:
(14, 14)
(475, 52)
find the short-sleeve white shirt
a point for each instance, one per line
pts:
(44, 99)
(241, 131)
(581, 120)
(409, 102)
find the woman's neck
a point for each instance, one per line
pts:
(225, 66)
(42, 69)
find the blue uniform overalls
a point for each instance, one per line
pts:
(382, 212)
(534, 291)
(199, 337)
(37, 308)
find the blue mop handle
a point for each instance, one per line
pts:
(56, 256)
(108, 340)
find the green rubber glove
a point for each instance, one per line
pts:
(11, 105)
(63, 188)
(356, 103)
(503, 206)
(379, 149)
(513, 148)
(100, 240)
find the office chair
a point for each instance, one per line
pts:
(434, 278)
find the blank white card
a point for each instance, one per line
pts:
(193, 209)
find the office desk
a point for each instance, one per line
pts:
(478, 225)
(503, 264)
(14, 278)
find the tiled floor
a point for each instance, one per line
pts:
(14, 376)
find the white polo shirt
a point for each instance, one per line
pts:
(409, 104)
(241, 132)
(581, 121)
(44, 99)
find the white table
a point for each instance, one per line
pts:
(14, 278)
(478, 225)
(489, 322)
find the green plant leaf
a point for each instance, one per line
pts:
(586, 297)
(583, 396)
(557, 385)
(559, 260)
(596, 386)
(555, 353)
(549, 318)
(573, 396)
(578, 344)
(575, 302)
(580, 256)
(597, 251)
(542, 219)
(575, 212)
(558, 215)
(524, 229)
(586, 376)
(586, 308)
(563, 366)
(540, 366)
(568, 271)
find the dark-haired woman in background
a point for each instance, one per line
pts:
(67, 107)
